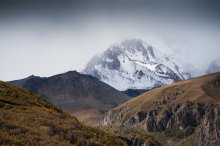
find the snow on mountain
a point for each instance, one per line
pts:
(134, 65)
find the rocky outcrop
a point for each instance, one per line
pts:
(210, 130)
(164, 119)
(179, 121)
(187, 111)
(189, 114)
(183, 122)
(138, 118)
(171, 118)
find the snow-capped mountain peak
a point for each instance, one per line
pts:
(133, 64)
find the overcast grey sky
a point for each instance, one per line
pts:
(46, 37)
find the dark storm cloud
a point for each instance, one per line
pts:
(209, 6)
(60, 9)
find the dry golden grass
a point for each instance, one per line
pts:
(133, 134)
(89, 116)
(26, 119)
(205, 89)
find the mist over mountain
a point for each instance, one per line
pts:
(214, 66)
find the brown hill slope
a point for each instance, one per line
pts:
(80, 95)
(186, 112)
(26, 119)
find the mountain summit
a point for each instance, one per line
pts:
(133, 64)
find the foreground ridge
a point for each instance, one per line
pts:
(26, 119)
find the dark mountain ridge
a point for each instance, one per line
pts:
(81, 95)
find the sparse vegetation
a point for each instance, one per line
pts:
(179, 134)
(26, 119)
(186, 113)
(132, 135)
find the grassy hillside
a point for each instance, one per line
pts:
(205, 90)
(183, 113)
(26, 119)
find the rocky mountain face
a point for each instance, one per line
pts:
(81, 95)
(183, 113)
(27, 119)
(135, 65)
(214, 66)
